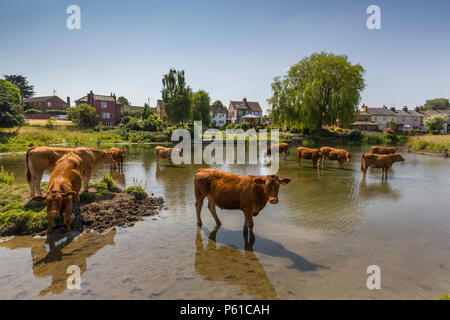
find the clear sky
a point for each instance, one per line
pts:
(229, 48)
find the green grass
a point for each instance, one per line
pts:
(16, 207)
(444, 297)
(141, 194)
(6, 177)
(434, 143)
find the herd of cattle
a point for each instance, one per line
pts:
(71, 170)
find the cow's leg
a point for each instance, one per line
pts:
(199, 197)
(36, 181)
(212, 208)
(50, 221)
(87, 177)
(249, 221)
(68, 216)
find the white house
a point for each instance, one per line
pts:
(218, 116)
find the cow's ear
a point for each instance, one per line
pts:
(39, 198)
(285, 180)
(259, 180)
(68, 194)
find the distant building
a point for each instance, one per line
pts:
(433, 111)
(218, 116)
(44, 104)
(133, 108)
(107, 107)
(239, 109)
(409, 119)
(380, 116)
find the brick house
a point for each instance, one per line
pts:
(218, 116)
(44, 104)
(107, 107)
(238, 109)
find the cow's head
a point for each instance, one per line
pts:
(348, 156)
(107, 156)
(272, 184)
(396, 157)
(122, 153)
(54, 201)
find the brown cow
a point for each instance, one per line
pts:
(383, 150)
(165, 153)
(118, 156)
(40, 159)
(333, 154)
(280, 148)
(383, 161)
(311, 154)
(235, 192)
(65, 183)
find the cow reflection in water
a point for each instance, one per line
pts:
(378, 190)
(233, 266)
(61, 254)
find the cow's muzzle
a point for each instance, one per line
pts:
(273, 201)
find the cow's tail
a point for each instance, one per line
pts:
(28, 166)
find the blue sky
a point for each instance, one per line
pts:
(229, 48)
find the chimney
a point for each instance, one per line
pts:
(90, 98)
(392, 109)
(245, 100)
(417, 109)
(384, 106)
(405, 108)
(114, 96)
(364, 108)
(68, 102)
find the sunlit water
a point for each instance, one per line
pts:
(317, 242)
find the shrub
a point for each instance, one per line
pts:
(355, 136)
(373, 138)
(138, 191)
(391, 138)
(32, 111)
(244, 126)
(109, 182)
(435, 123)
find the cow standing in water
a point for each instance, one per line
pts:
(166, 153)
(235, 192)
(312, 154)
(65, 184)
(383, 150)
(340, 155)
(278, 148)
(118, 156)
(383, 161)
(40, 159)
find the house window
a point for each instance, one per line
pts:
(49, 104)
(104, 105)
(106, 115)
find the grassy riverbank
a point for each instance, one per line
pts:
(432, 143)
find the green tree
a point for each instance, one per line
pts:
(21, 82)
(10, 109)
(318, 90)
(439, 103)
(176, 96)
(435, 123)
(83, 114)
(146, 112)
(219, 103)
(201, 108)
(124, 101)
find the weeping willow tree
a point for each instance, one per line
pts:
(320, 89)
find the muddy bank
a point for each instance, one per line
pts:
(99, 210)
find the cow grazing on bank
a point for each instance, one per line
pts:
(278, 148)
(383, 161)
(310, 154)
(235, 192)
(333, 154)
(166, 153)
(40, 159)
(118, 156)
(383, 150)
(65, 184)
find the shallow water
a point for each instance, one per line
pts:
(316, 243)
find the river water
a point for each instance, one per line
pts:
(316, 243)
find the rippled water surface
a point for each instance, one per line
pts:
(317, 242)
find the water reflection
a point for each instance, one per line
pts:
(52, 257)
(233, 266)
(381, 189)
